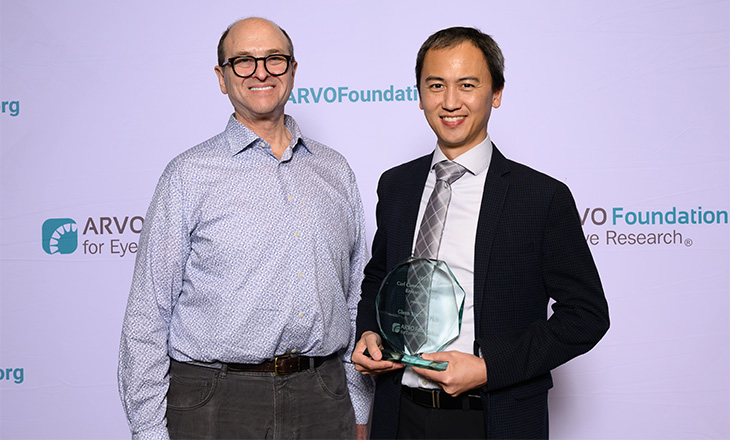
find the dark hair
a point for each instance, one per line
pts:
(454, 36)
(221, 52)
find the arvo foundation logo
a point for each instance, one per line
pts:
(640, 227)
(340, 94)
(99, 236)
(60, 236)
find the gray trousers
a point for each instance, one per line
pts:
(210, 403)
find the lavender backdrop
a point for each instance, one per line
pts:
(628, 102)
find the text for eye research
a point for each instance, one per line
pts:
(659, 227)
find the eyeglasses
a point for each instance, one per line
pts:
(245, 66)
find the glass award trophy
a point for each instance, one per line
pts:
(419, 310)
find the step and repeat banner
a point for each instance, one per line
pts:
(628, 102)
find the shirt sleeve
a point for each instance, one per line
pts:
(361, 387)
(157, 281)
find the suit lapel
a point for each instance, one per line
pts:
(490, 213)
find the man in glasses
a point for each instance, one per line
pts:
(241, 317)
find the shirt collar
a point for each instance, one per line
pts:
(476, 160)
(241, 137)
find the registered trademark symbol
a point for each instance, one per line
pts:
(688, 242)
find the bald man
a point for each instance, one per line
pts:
(241, 316)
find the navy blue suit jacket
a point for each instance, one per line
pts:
(529, 248)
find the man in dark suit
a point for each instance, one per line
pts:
(513, 239)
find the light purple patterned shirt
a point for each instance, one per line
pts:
(243, 257)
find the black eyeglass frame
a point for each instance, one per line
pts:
(256, 60)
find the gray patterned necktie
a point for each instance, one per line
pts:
(427, 246)
(434, 217)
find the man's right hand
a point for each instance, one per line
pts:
(372, 365)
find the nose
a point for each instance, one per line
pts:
(452, 100)
(260, 73)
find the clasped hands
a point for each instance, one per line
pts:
(465, 371)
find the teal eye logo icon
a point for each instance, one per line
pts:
(60, 236)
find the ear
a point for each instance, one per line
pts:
(420, 103)
(497, 98)
(221, 79)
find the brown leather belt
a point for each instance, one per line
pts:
(441, 400)
(281, 365)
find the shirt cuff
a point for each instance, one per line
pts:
(361, 389)
(153, 433)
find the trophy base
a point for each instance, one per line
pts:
(413, 361)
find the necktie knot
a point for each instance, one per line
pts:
(449, 171)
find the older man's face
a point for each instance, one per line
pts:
(261, 96)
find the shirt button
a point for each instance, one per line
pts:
(289, 198)
(297, 234)
(293, 350)
(301, 315)
(300, 275)
(424, 382)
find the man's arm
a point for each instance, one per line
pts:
(374, 273)
(568, 275)
(579, 320)
(361, 388)
(367, 327)
(143, 356)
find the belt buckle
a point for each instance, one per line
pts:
(436, 399)
(276, 364)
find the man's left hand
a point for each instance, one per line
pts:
(465, 371)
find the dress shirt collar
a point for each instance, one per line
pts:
(241, 137)
(476, 160)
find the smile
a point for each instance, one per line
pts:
(261, 88)
(452, 118)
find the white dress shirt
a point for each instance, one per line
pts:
(459, 235)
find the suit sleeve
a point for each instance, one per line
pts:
(568, 275)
